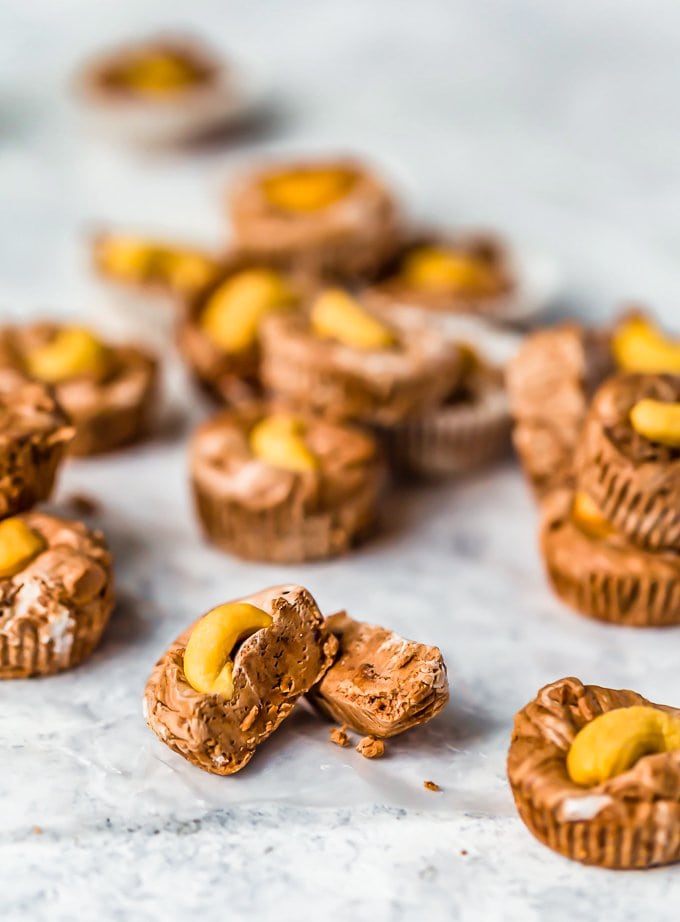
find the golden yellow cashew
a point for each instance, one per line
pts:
(279, 440)
(640, 346)
(233, 314)
(588, 517)
(125, 258)
(19, 545)
(337, 315)
(158, 72)
(657, 421)
(208, 663)
(307, 190)
(613, 742)
(73, 351)
(186, 270)
(435, 269)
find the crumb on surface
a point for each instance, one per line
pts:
(431, 786)
(463, 851)
(371, 748)
(338, 735)
(38, 830)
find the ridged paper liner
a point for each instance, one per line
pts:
(114, 427)
(28, 468)
(283, 534)
(452, 439)
(643, 510)
(33, 656)
(608, 578)
(635, 844)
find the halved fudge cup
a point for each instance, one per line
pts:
(633, 479)
(597, 571)
(381, 385)
(631, 820)
(380, 684)
(272, 668)
(34, 435)
(164, 90)
(550, 384)
(107, 390)
(257, 508)
(329, 216)
(56, 594)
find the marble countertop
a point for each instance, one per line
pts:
(551, 122)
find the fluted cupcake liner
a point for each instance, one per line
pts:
(286, 534)
(33, 652)
(645, 516)
(634, 844)
(451, 439)
(111, 427)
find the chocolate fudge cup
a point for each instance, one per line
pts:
(332, 217)
(108, 391)
(450, 273)
(550, 384)
(629, 821)
(56, 594)
(252, 506)
(163, 90)
(380, 385)
(634, 480)
(597, 571)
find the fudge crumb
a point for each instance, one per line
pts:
(38, 830)
(249, 719)
(463, 851)
(431, 786)
(339, 736)
(83, 504)
(371, 748)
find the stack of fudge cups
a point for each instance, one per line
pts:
(56, 586)
(327, 337)
(610, 496)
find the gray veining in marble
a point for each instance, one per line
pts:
(554, 122)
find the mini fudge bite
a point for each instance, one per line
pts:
(34, 434)
(273, 485)
(218, 331)
(465, 273)
(595, 773)
(56, 594)
(226, 684)
(107, 390)
(347, 362)
(628, 458)
(161, 90)
(380, 684)
(550, 384)
(152, 267)
(332, 217)
(596, 570)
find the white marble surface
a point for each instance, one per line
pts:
(552, 121)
